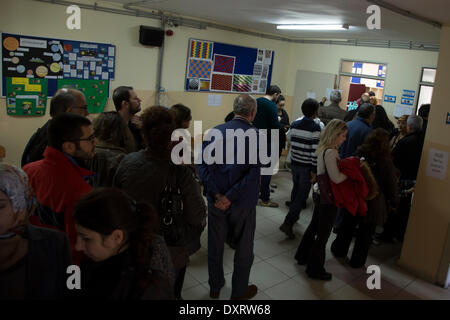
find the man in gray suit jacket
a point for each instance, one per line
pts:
(332, 111)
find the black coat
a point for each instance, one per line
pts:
(35, 147)
(407, 153)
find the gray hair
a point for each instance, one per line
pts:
(415, 123)
(14, 183)
(366, 110)
(244, 104)
(335, 96)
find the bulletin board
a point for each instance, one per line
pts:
(26, 59)
(219, 67)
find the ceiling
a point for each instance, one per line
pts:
(264, 15)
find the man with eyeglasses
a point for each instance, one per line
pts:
(64, 100)
(58, 180)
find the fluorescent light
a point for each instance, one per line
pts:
(312, 27)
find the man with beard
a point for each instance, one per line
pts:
(267, 118)
(57, 180)
(127, 105)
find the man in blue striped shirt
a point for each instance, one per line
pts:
(304, 136)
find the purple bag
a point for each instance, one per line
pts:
(323, 180)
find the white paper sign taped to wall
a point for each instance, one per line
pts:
(437, 164)
(215, 100)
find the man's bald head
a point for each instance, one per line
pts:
(68, 100)
(244, 104)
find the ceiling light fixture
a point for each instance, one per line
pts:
(313, 26)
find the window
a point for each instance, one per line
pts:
(426, 87)
(358, 77)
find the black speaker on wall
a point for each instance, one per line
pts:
(150, 36)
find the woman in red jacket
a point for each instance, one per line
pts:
(312, 248)
(376, 151)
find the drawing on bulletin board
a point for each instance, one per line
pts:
(26, 96)
(214, 66)
(31, 57)
(95, 91)
(53, 60)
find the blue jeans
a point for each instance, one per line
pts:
(301, 177)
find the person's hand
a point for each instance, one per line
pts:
(222, 202)
(324, 99)
(136, 120)
(313, 177)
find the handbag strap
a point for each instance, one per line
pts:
(324, 164)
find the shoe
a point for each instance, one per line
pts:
(326, 276)
(214, 294)
(268, 204)
(273, 186)
(287, 229)
(251, 292)
(271, 190)
(288, 203)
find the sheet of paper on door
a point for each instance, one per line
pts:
(310, 95)
(437, 164)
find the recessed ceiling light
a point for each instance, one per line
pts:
(313, 26)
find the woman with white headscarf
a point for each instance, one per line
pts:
(33, 260)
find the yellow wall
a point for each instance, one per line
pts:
(136, 65)
(424, 251)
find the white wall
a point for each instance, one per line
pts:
(136, 65)
(403, 66)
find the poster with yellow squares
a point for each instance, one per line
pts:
(26, 96)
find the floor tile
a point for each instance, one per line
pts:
(264, 275)
(267, 248)
(427, 291)
(386, 292)
(347, 293)
(340, 269)
(286, 264)
(290, 290)
(189, 281)
(266, 227)
(319, 288)
(198, 292)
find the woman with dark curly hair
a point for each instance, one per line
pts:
(126, 259)
(147, 175)
(377, 152)
(115, 141)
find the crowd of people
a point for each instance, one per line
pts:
(106, 196)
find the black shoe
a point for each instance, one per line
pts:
(288, 203)
(320, 276)
(274, 186)
(287, 229)
(271, 190)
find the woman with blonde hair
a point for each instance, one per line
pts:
(311, 250)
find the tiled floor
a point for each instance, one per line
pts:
(278, 277)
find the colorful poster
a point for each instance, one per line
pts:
(26, 97)
(200, 49)
(31, 57)
(87, 60)
(224, 64)
(95, 91)
(215, 66)
(199, 68)
(242, 83)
